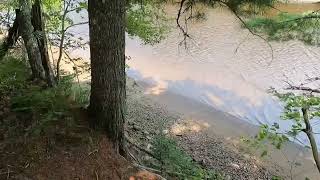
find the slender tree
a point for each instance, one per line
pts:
(107, 47)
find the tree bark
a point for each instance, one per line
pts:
(313, 143)
(30, 41)
(107, 47)
(63, 19)
(13, 35)
(38, 25)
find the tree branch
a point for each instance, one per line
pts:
(76, 24)
(302, 88)
(184, 32)
(313, 143)
(248, 28)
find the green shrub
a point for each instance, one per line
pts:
(175, 162)
(286, 27)
(81, 95)
(45, 105)
(39, 99)
(13, 75)
(39, 105)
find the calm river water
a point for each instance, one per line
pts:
(225, 67)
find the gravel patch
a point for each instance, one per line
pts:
(146, 119)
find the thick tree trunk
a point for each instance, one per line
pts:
(30, 41)
(107, 46)
(38, 25)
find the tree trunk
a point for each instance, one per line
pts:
(30, 41)
(38, 25)
(63, 19)
(313, 143)
(13, 35)
(107, 47)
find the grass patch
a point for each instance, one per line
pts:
(40, 107)
(176, 163)
(41, 126)
(13, 75)
(81, 94)
(286, 27)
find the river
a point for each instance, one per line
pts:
(224, 67)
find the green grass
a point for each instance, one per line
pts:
(176, 163)
(286, 27)
(43, 106)
(13, 75)
(81, 94)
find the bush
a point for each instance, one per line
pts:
(37, 104)
(289, 26)
(13, 75)
(45, 105)
(81, 95)
(37, 98)
(175, 162)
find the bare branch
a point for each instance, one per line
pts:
(302, 88)
(76, 24)
(184, 31)
(249, 29)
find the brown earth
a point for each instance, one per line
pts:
(63, 153)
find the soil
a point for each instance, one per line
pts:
(64, 153)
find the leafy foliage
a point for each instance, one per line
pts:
(38, 99)
(13, 74)
(51, 104)
(292, 110)
(81, 94)
(293, 104)
(175, 162)
(45, 105)
(267, 134)
(147, 21)
(289, 26)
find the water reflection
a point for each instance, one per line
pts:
(218, 72)
(225, 67)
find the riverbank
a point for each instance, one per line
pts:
(41, 128)
(213, 138)
(210, 136)
(149, 116)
